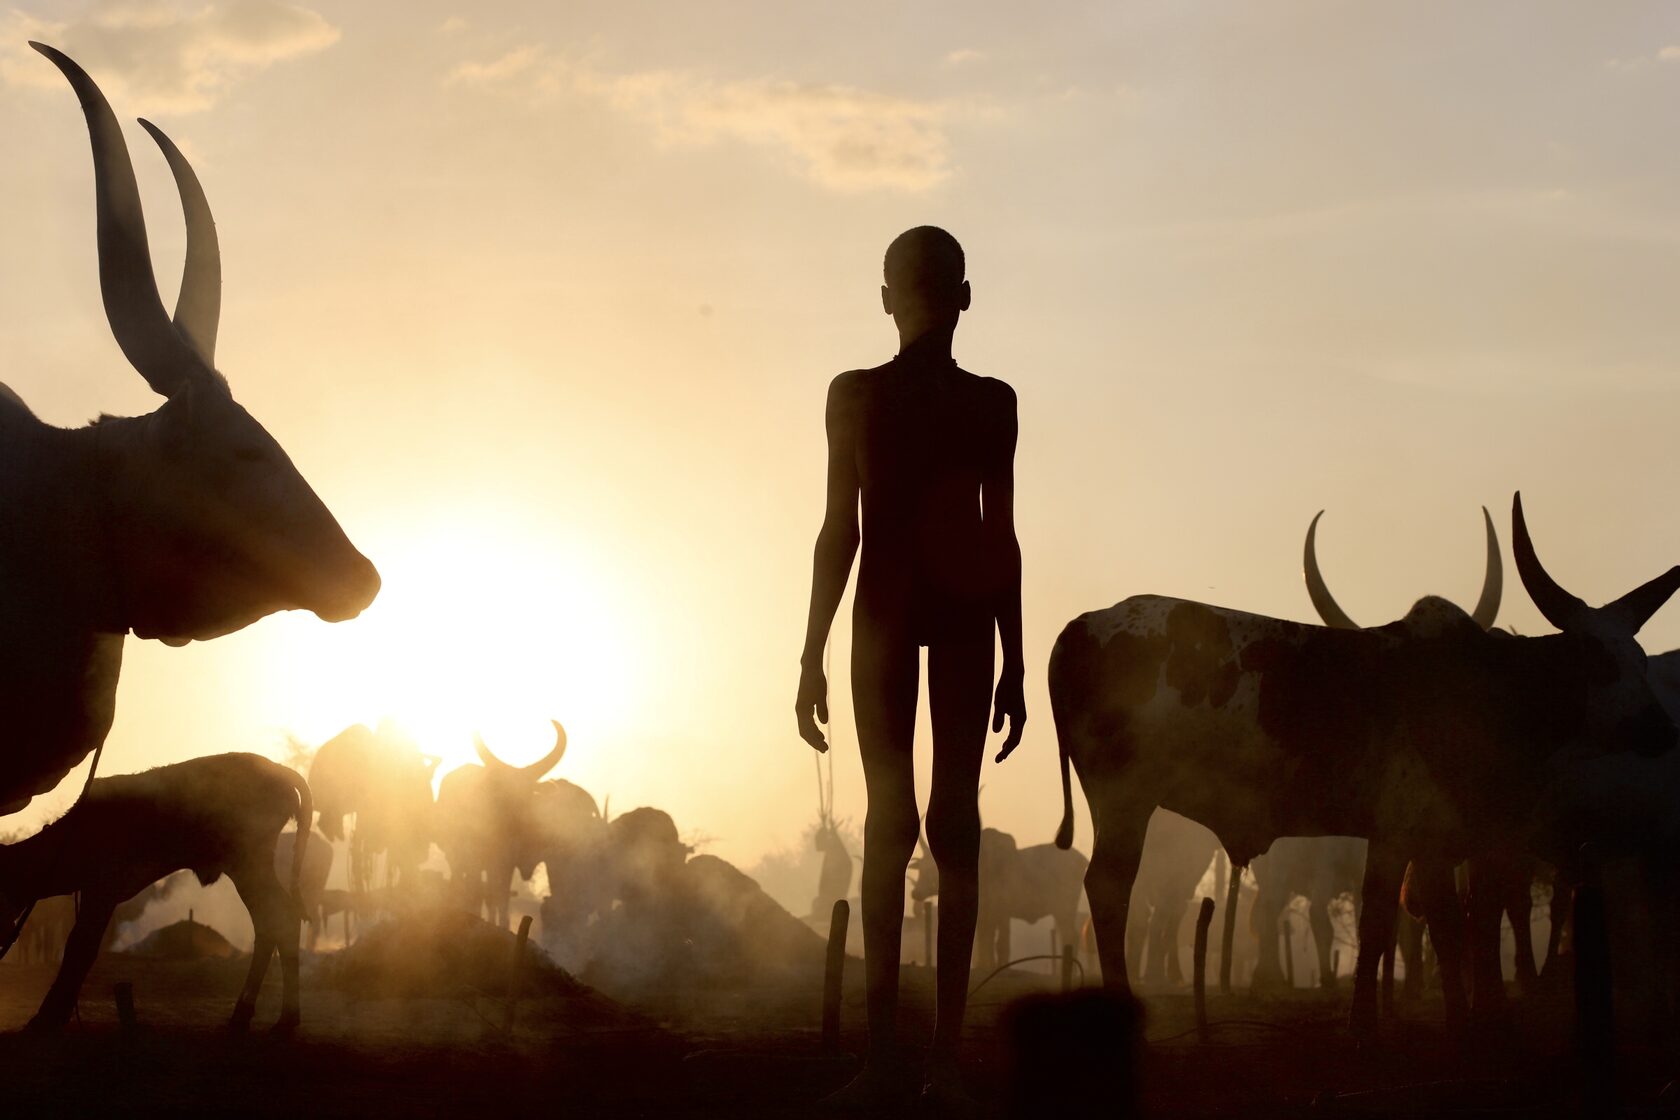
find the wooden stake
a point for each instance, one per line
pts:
(1069, 960)
(1204, 919)
(517, 972)
(1289, 951)
(834, 976)
(125, 1006)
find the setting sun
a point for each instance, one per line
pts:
(483, 627)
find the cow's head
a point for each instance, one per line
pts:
(209, 525)
(1622, 709)
(1487, 605)
(511, 790)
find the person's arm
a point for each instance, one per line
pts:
(998, 508)
(831, 564)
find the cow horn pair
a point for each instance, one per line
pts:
(1487, 607)
(536, 769)
(1566, 611)
(169, 355)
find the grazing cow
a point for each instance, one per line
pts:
(184, 524)
(1428, 737)
(312, 880)
(387, 783)
(483, 822)
(1025, 884)
(212, 816)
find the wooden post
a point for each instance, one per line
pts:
(516, 973)
(834, 976)
(1069, 959)
(1055, 953)
(1388, 978)
(1204, 919)
(927, 933)
(1595, 1015)
(1231, 892)
(125, 1006)
(1289, 950)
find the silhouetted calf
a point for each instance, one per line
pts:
(212, 816)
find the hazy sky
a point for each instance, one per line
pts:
(543, 299)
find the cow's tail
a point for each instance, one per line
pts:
(1062, 718)
(305, 825)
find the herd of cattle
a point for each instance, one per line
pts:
(1434, 740)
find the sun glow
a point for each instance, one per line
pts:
(486, 626)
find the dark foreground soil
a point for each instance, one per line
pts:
(742, 1053)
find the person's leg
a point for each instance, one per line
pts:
(884, 702)
(959, 702)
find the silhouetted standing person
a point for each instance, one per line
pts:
(929, 449)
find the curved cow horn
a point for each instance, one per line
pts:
(1559, 607)
(1323, 602)
(1635, 608)
(198, 307)
(550, 760)
(148, 339)
(490, 761)
(1493, 579)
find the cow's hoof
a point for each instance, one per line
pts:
(241, 1021)
(45, 1026)
(287, 1024)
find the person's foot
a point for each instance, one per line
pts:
(878, 1085)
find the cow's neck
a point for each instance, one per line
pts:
(55, 556)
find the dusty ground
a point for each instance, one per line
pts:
(742, 1053)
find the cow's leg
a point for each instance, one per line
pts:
(80, 951)
(1492, 878)
(274, 921)
(1108, 880)
(1318, 917)
(1139, 920)
(1384, 867)
(959, 705)
(1172, 926)
(1444, 914)
(1520, 905)
(1268, 910)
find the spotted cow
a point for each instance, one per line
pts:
(1428, 737)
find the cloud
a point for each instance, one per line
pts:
(1669, 54)
(964, 54)
(838, 136)
(163, 55)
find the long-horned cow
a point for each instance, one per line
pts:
(1323, 867)
(213, 816)
(184, 524)
(484, 822)
(1429, 737)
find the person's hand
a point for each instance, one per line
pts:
(1010, 703)
(813, 697)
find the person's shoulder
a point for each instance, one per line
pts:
(994, 391)
(853, 383)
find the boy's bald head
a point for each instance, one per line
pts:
(925, 289)
(926, 260)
